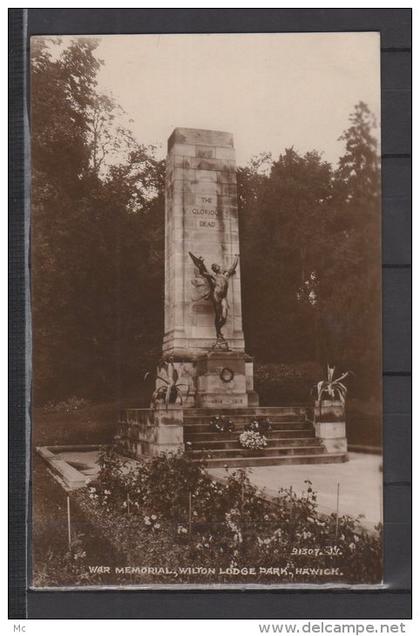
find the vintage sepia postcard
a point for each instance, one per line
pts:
(206, 310)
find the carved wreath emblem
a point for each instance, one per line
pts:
(226, 374)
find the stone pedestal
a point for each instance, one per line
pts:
(152, 431)
(169, 429)
(330, 425)
(221, 380)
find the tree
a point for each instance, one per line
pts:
(62, 90)
(304, 221)
(97, 223)
(283, 232)
(352, 281)
(358, 171)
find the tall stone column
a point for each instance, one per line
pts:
(202, 218)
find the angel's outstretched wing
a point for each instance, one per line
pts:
(206, 277)
(199, 263)
(232, 269)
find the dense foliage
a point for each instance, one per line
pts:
(310, 256)
(309, 248)
(97, 235)
(225, 525)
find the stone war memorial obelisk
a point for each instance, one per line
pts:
(204, 364)
(203, 313)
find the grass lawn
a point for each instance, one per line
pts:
(95, 424)
(92, 425)
(51, 564)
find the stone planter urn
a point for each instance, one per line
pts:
(329, 411)
(168, 430)
(330, 425)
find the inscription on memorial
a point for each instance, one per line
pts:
(205, 211)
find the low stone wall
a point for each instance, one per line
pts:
(151, 431)
(68, 476)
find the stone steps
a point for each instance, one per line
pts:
(265, 452)
(275, 460)
(191, 429)
(258, 411)
(271, 442)
(240, 422)
(206, 436)
(291, 439)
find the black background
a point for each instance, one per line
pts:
(394, 601)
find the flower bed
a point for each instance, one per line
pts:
(169, 512)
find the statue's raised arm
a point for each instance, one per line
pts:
(232, 269)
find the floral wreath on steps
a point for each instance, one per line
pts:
(252, 440)
(221, 424)
(260, 425)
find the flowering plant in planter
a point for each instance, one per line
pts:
(259, 425)
(252, 440)
(170, 392)
(331, 389)
(221, 424)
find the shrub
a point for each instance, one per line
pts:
(287, 384)
(231, 524)
(71, 405)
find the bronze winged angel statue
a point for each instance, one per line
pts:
(219, 283)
